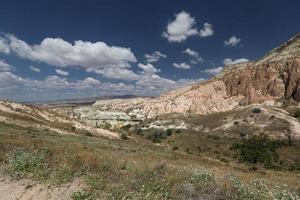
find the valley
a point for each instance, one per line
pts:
(235, 136)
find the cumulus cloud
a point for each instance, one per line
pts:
(117, 73)
(60, 53)
(155, 57)
(229, 61)
(182, 66)
(196, 58)
(3, 46)
(61, 72)
(148, 68)
(4, 66)
(191, 52)
(233, 41)
(109, 61)
(33, 68)
(207, 30)
(18, 88)
(183, 26)
(213, 71)
(55, 87)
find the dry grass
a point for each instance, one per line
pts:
(118, 162)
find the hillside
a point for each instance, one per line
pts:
(273, 80)
(233, 137)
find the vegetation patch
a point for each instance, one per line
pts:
(21, 163)
(257, 149)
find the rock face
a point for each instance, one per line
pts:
(270, 80)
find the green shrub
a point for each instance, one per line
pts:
(168, 132)
(257, 149)
(61, 175)
(124, 136)
(152, 183)
(139, 131)
(256, 110)
(126, 127)
(284, 193)
(157, 135)
(240, 191)
(81, 195)
(21, 163)
(297, 113)
(178, 131)
(203, 179)
(175, 148)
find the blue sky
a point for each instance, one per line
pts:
(57, 49)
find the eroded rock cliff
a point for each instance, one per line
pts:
(269, 80)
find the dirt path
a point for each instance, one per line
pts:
(28, 190)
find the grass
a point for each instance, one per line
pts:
(138, 168)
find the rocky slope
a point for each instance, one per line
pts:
(36, 117)
(270, 80)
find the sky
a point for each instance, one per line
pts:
(63, 49)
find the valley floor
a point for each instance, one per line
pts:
(39, 165)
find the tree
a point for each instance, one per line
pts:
(290, 136)
(257, 149)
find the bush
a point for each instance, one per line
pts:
(168, 132)
(124, 136)
(175, 148)
(81, 195)
(21, 163)
(139, 131)
(157, 136)
(61, 175)
(257, 149)
(256, 110)
(178, 131)
(297, 113)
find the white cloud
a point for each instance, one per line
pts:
(33, 68)
(196, 58)
(154, 57)
(54, 87)
(61, 72)
(182, 66)
(229, 61)
(181, 28)
(148, 68)
(3, 46)
(184, 82)
(60, 53)
(4, 66)
(213, 71)
(111, 62)
(191, 52)
(233, 41)
(117, 73)
(207, 30)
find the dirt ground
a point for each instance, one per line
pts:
(29, 190)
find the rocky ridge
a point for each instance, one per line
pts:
(47, 120)
(270, 80)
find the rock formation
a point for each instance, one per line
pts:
(272, 79)
(269, 80)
